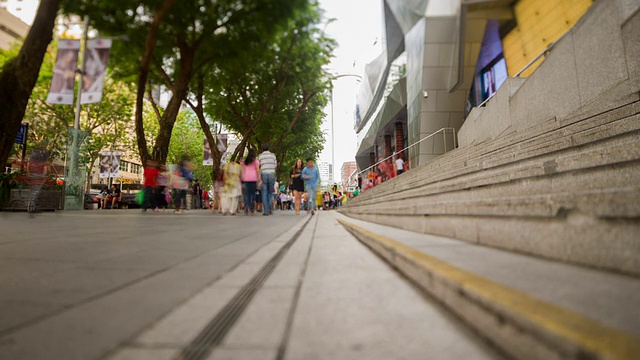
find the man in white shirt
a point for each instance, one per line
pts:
(399, 165)
(268, 164)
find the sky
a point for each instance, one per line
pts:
(358, 31)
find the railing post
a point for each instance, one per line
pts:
(444, 139)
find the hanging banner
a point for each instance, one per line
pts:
(95, 68)
(207, 157)
(110, 164)
(221, 140)
(64, 73)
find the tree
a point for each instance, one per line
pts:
(19, 75)
(171, 41)
(276, 95)
(187, 143)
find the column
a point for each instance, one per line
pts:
(388, 150)
(399, 134)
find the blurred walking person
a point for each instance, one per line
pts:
(162, 181)
(232, 187)
(150, 185)
(180, 185)
(268, 164)
(250, 175)
(311, 177)
(37, 175)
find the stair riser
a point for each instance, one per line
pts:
(516, 338)
(613, 123)
(534, 181)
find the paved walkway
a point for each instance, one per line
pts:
(125, 285)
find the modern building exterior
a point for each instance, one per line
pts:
(348, 169)
(442, 58)
(12, 29)
(325, 170)
(24, 10)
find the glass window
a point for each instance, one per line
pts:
(492, 77)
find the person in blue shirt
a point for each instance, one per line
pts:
(311, 177)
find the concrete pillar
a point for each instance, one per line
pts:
(399, 136)
(372, 158)
(388, 150)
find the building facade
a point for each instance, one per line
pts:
(325, 170)
(441, 59)
(12, 29)
(25, 10)
(347, 174)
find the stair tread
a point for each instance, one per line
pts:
(606, 297)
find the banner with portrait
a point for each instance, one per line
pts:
(110, 164)
(207, 157)
(221, 140)
(95, 68)
(64, 73)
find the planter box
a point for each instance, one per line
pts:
(47, 199)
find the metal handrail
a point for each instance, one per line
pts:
(443, 130)
(543, 53)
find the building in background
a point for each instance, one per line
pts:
(441, 59)
(325, 170)
(12, 29)
(25, 10)
(347, 174)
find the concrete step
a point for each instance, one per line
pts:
(528, 307)
(550, 146)
(611, 151)
(485, 154)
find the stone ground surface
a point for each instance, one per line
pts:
(124, 285)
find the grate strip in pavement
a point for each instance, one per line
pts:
(213, 334)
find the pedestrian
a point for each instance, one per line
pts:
(311, 176)
(114, 196)
(268, 164)
(162, 182)
(150, 184)
(37, 175)
(232, 187)
(205, 199)
(250, 175)
(180, 185)
(217, 192)
(399, 165)
(298, 184)
(196, 190)
(383, 170)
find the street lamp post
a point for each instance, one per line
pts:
(333, 164)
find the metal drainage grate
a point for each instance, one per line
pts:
(213, 334)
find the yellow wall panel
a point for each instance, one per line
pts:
(539, 23)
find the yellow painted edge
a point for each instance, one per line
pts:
(578, 328)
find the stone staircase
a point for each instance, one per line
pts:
(561, 182)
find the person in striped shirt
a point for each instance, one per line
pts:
(268, 164)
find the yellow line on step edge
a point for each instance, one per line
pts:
(581, 330)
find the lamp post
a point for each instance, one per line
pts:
(333, 165)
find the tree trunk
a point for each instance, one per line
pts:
(181, 88)
(20, 74)
(143, 75)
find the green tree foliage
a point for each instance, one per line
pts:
(276, 95)
(109, 122)
(187, 143)
(18, 76)
(171, 41)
